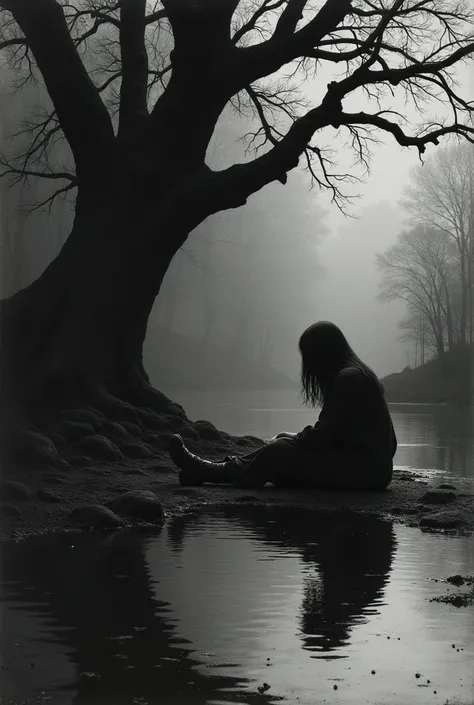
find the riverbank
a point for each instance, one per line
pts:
(136, 492)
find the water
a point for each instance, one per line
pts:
(436, 441)
(214, 605)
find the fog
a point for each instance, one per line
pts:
(249, 280)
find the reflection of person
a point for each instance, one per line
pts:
(350, 447)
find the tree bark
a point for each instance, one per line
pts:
(77, 332)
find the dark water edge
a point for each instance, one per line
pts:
(218, 603)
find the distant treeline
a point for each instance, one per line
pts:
(449, 379)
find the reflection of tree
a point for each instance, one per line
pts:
(95, 593)
(352, 555)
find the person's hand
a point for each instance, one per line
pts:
(283, 434)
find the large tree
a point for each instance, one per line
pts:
(140, 173)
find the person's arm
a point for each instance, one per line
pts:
(394, 440)
(337, 412)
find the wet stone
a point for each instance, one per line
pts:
(446, 486)
(96, 516)
(438, 497)
(189, 432)
(138, 504)
(442, 520)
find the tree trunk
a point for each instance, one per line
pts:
(77, 332)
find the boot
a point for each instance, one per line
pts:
(195, 471)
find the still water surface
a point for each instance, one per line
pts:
(214, 605)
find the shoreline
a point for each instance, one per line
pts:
(137, 493)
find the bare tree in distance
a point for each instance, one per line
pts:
(442, 196)
(418, 269)
(139, 129)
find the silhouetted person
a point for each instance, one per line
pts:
(351, 447)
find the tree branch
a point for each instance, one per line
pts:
(134, 88)
(268, 57)
(81, 112)
(404, 140)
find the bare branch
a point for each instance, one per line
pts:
(420, 141)
(84, 118)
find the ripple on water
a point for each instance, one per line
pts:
(217, 604)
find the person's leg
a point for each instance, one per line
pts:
(282, 462)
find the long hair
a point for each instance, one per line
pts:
(324, 352)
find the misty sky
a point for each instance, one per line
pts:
(347, 293)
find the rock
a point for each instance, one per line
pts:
(445, 486)
(113, 429)
(247, 498)
(73, 430)
(81, 461)
(136, 450)
(442, 520)
(95, 515)
(52, 479)
(189, 432)
(151, 438)
(12, 491)
(175, 423)
(58, 440)
(11, 511)
(131, 428)
(89, 416)
(33, 449)
(457, 580)
(207, 431)
(438, 497)
(148, 417)
(100, 447)
(138, 504)
(47, 496)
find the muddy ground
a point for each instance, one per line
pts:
(42, 500)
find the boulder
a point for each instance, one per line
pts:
(89, 416)
(442, 520)
(138, 504)
(81, 461)
(438, 496)
(136, 450)
(32, 449)
(113, 429)
(446, 486)
(11, 491)
(207, 431)
(99, 447)
(132, 428)
(96, 516)
(189, 432)
(73, 430)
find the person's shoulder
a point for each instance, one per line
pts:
(351, 373)
(354, 377)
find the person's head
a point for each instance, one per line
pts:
(324, 352)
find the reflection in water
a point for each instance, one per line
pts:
(95, 598)
(206, 610)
